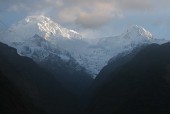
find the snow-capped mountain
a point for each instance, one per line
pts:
(38, 36)
(97, 56)
(42, 26)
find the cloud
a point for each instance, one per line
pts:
(18, 7)
(133, 4)
(93, 20)
(86, 13)
(97, 13)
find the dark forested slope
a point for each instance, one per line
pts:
(141, 85)
(28, 88)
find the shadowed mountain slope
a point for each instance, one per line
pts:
(142, 85)
(28, 88)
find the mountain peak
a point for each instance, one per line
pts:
(51, 28)
(136, 30)
(37, 18)
(43, 27)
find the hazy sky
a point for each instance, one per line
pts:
(94, 18)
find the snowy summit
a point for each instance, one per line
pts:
(42, 26)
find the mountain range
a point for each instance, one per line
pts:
(56, 70)
(38, 36)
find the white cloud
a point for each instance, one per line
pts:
(96, 13)
(87, 13)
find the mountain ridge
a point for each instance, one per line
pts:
(91, 57)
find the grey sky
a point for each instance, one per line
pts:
(94, 18)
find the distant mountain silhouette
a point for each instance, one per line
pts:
(141, 85)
